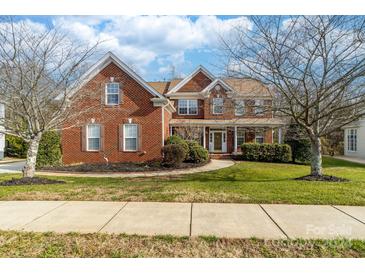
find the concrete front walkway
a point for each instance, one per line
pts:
(186, 219)
(212, 165)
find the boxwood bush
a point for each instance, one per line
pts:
(177, 140)
(266, 153)
(197, 153)
(173, 155)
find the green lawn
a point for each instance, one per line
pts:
(245, 182)
(52, 245)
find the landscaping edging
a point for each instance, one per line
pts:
(119, 167)
(211, 166)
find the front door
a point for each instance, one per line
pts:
(218, 141)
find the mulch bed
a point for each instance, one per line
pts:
(323, 178)
(30, 181)
(119, 167)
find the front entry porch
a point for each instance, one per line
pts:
(228, 140)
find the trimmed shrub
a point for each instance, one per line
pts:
(49, 151)
(173, 155)
(266, 152)
(299, 143)
(177, 140)
(197, 153)
(15, 147)
(301, 150)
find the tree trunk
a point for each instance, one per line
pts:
(29, 168)
(316, 161)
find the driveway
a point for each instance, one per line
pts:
(351, 159)
(266, 221)
(12, 167)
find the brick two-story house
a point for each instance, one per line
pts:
(136, 117)
(222, 113)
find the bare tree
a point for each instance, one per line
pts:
(314, 64)
(39, 67)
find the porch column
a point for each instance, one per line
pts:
(204, 138)
(235, 140)
(279, 137)
(170, 130)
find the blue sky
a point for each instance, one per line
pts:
(152, 45)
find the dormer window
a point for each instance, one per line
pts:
(217, 105)
(112, 94)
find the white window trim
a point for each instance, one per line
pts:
(87, 137)
(354, 145)
(188, 107)
(106, 94)
(242, 104)
(259, 103)
(244, 138)
(222, 105)
(130, 150)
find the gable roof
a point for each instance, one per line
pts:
(105, 61)
(174, 82)
(248, 87)
(160, 86)
(200, 68)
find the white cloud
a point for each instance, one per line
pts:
(140, 40)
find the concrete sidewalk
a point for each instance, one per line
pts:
(186, 219)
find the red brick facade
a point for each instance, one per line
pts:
(138, 105)
(205, 110)
(135, 104)
(196, 84)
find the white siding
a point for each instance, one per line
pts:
(360, 152)
(2, 136)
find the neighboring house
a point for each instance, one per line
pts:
(2, 135)
(354, 141)
(136, 117)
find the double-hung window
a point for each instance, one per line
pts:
(93, 137)
(259, 107)
(112, 94)
(352, 140)
(130, 137)
(259, 139)
(239, 107)
(188, 107)
(218, 105)
(240, 137)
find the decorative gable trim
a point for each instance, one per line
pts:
(207, 90)
(200, 68)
